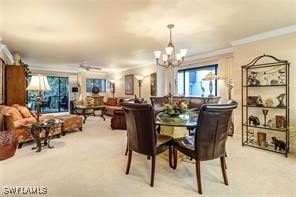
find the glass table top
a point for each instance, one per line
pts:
(182, 120)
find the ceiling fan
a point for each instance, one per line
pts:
(87, 66)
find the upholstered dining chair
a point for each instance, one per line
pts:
(142, 137)
(209, 139)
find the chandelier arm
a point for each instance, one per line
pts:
(163, 65)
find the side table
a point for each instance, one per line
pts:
(49, 128)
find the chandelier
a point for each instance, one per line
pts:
(170, 59)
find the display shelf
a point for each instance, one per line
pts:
(274, 107)
(266, 127)
(258, 86)
(276, 73)
(269, 147)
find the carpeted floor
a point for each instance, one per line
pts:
(92, 163)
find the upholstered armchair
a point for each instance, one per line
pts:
(87, 101)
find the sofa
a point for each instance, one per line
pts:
(18, 119)
(118, 120)
(115, 103)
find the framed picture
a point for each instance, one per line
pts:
(129, 84)
(153, 84)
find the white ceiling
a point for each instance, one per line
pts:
(124, 33)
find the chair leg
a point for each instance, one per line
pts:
(129, 161)
(171, 162)
(223, 165)
(175, 155)
(225, 160)
(152, 170)
(126, 149)
(197, 168)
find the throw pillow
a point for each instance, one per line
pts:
(13, 112)
(25, 112)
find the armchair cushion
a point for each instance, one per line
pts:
(111, 101)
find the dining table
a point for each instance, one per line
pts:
(176, 125)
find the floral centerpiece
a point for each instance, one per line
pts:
(175, 109)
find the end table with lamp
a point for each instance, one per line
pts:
(49, 126)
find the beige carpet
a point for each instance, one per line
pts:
(92, 163)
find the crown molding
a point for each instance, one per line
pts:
(211, 54)
(265, 35)
(6, 52)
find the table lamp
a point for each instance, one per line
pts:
(39, 84)
(210, 77)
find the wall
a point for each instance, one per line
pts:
(282, 47)
(145, 90)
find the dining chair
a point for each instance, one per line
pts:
(159, 102)
(209, 140)
(142, 137)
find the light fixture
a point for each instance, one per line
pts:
(210, 77)
(112, 82)
(140, 80)
(170, 59)
(38, 83)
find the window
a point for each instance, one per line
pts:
(56, 100)
(190, 81)
(100, 83)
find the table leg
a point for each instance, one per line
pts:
(48, 137)
(36, 135)
(102, 113)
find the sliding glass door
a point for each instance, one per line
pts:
(56, 100)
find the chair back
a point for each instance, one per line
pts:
(159, 101)
(212, 130)
(140, 123)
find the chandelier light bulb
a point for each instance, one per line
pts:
(169, 50)
(164, 58)
(183, 52)
(179, 56)
(157, 54)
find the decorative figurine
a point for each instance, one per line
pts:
(259, 101)
(265, 112)
(252, 79)
(253, 120)
(281, 77)
(250, 136)
(278, 143)
(280, 98)
(268, 102)
(274, 82)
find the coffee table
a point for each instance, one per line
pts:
(84, 110)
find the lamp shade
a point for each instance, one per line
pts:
(210, 76)
(38, 83)
(139, 77)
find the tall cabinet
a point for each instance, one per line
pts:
(15, 85)
(265, 104)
